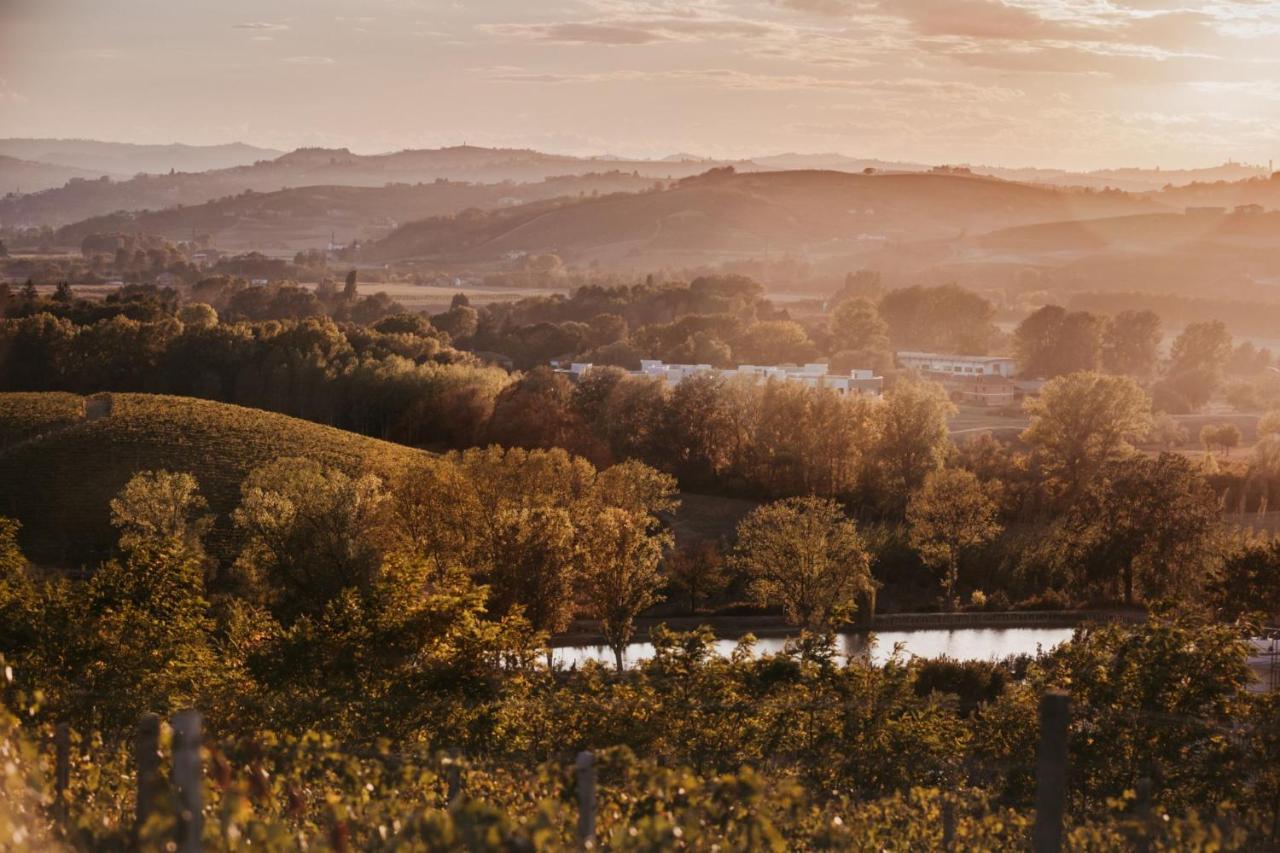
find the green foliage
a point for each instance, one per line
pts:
(950, 515)
(1146, 529)
(1082, 421)
(1053, 342)
(807, 556)
(159, 506)
(306, 533)
(912, 438)
(619, 560)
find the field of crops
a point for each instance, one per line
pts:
(59, 484)
(24, 416)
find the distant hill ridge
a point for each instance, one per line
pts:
(126, 159)
(204, 173)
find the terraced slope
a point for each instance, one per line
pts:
(62, 458)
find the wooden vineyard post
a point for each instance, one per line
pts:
(146, 761)
(188, 780)
(1051, 773)
(585, 768)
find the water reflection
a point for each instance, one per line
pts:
(962, 644)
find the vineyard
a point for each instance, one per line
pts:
(58, 480)
(1156, 745)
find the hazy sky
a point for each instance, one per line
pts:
(1078, 83)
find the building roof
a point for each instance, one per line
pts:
(984, 359)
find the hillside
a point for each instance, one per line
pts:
(28, 176)
(307, 217)
(1222, 193)
(723, 216)
(1149, 232)
(125, 159)
(1234, 257)
(65, 457)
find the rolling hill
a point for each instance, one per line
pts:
(1145, 232)
(1233, 256)
(307, 217)
(28, 176)
(64, 457)
(723, 215)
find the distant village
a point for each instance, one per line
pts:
(976, 380)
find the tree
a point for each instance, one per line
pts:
(310, 532)
(1250, 580)
(912, 437)
(18, 594)
(537, 411)
(607, 329)
(949, 515)
(1269, 424)
(63, 294)
(459, 322)
(1205, 345)
(943, 319)
(863, 284)
(1082, 421)
(1145, 529)
(161, 506)
(1053, 341)
(698, 570)
(1225, 436)
(533, 567)
(1131, 344)
(619, 557)
(1197, 360)
(860, 335)
(147, 633)
(198, 314)
(806, 555)
(349, 288)
(774, 342)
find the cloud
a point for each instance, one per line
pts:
(307, 60)
(582, 33)
(729, 78)
(678, 25)
(821, 7)
(260, 25)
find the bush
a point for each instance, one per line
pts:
(973, 682)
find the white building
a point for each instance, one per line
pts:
(814, 375)
(958, 365)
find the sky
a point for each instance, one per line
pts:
(1078, 84)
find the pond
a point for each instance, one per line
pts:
(961, 644)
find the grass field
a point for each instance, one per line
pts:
(59, 469)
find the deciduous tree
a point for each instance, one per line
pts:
(808, 556)
(1081, 421)
(948, 516)
(619, 557)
